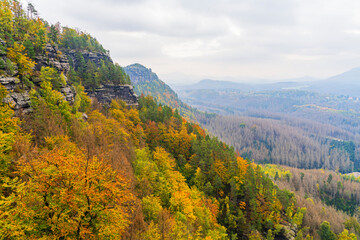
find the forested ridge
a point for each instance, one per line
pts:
(327, 195)
(147, 83)
(81, 170)
(287, 141)
(25, 38)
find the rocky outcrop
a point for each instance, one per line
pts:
(9, 82)
(94, 57)
(19, 101)
(288, 232)
(139, 74)
(53, 57)
(106, 93)
(69, 93)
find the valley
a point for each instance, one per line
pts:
(90, 149)
(258, 122)
(307, 142)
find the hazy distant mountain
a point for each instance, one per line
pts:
(208, 84)
(350, 77)
(218, 84)
(334, 100)
(347, 83)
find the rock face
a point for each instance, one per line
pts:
(69, 93)
(94, 57)
(53, 58)
(140, 74)
(289, 232)
(9, 82)
(146, 82)
(108, 92)
(19, 101)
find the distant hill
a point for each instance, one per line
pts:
(347, 83)
(209, 84)
(148, 83)
(218, 84)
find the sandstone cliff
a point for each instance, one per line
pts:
(106, 93)
(18, 96)
(53, 57)
(94, 57)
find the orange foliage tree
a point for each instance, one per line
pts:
(64, 195)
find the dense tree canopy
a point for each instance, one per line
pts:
(80, 170)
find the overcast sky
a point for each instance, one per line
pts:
(194, 39)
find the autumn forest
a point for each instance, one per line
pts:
(72, 167)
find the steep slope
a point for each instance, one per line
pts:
(148, 83)
(33, 52)
(119, 172)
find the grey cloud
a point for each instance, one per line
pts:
(152, 18)
(228, 37)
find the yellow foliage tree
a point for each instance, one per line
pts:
(25, 64)
(346, 236)
(64, 195)
(6, 16)
(242, 168)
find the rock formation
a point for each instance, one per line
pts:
(289, 232)
(53, 58)
(139, 74)
(108, 92)
(9, 82)
(19, 101)
(18, 96)
(94, 57)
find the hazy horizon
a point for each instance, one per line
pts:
(212, 39)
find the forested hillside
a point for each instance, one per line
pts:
(338, 110)
(30, 45)
(146, 82)
(71, 168)
(288, 141)
(327, 195)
